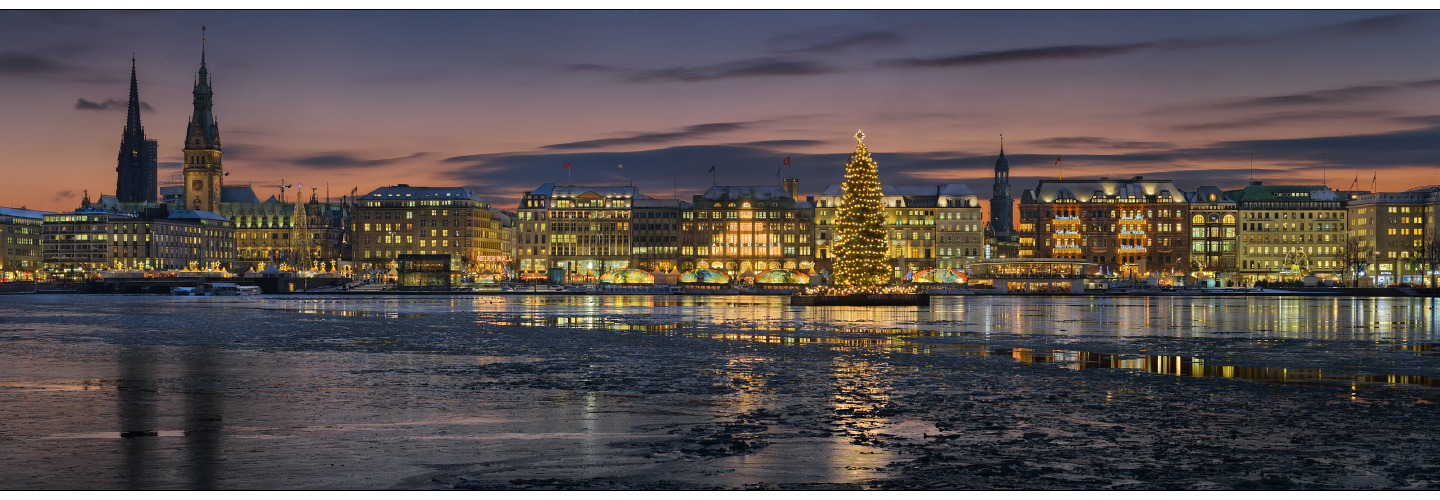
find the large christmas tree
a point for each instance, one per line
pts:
(860, 235)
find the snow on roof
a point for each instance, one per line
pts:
(747, 193)
(408, 192)
(23, 213)
(195, 214)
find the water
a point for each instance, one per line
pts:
(600, 392)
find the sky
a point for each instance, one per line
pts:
(500, 100)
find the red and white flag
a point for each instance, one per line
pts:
(1057, 161)
(787, 161)
(567, 165)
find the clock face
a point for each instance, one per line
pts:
(197, 185)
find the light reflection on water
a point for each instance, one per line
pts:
(764, 319)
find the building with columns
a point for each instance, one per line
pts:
(747, 229)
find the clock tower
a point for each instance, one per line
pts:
(202, 147)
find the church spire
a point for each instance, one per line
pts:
(135, 166)
(132, 117)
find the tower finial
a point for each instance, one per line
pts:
(202, 45)
(1002, 144)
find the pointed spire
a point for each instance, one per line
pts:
(1002, 144)
(132, 118)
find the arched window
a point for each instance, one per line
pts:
(1197, 219)
(1229, 219)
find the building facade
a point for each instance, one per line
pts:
(1289, 232)
(291, 236)
(584, 230)
(401, 219)
(655, 235)
(928, 226)
(747, 229)
(1214, 231)
(136, 163)
(1130, 227)
(20, 243)
(84, 243)
(1392, 229)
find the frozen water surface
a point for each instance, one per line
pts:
(646, 392)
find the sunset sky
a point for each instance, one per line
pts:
(500, 100)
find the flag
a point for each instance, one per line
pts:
(1057, 161)
(620, 165)
(787, 161)
(567, 165)
(712, 168)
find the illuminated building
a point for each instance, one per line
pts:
(1289, 232)
(1073, 276)
(83, 243)
(401, 219)
(1130, 227)
(584, 230)
(266, 233)
(136, 164)
(293, 236)
(937, 226)
(20, 243)
(1213, 233)
(747, 229)
(1393, 229)
(203, 173)
(655, 235)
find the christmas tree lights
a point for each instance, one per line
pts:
(860, 234)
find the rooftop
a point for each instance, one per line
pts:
(408, 192)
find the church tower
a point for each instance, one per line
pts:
(1002, 207)
(136, 163)
(202, 147)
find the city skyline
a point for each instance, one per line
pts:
(1190, 96)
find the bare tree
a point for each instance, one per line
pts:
(1353, 258)
(1428, 256)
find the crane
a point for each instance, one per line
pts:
(283, 186)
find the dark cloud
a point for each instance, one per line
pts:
(764, 66)
(343, 160)
(1098, 142)
(61, 196)
(108, 105)
(20, 63)
(831, 40)
(1371, 25)
(782, 143)
(1366, 26)
(501, 178)
(1020, 55)
(689, 132)
(758, 67)
(1331, 96)
(1278, 118)
(1424, 120)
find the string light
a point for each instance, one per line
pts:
(860, 248)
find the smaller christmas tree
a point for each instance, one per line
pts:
(860, 233)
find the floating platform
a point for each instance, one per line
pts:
(862, 299)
